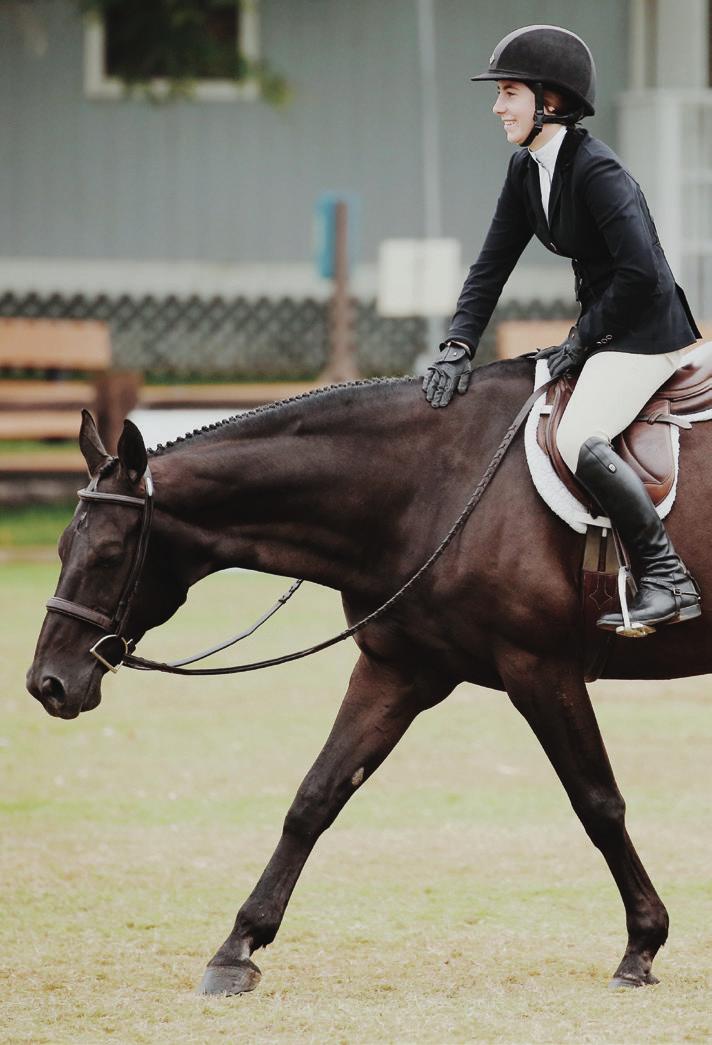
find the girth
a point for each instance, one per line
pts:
(646, 444)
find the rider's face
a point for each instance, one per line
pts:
(515, 108)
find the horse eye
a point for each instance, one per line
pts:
(110, 554)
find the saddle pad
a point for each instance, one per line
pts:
(555, 493)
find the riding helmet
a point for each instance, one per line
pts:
(549, 56)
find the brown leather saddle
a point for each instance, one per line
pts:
(646, 444)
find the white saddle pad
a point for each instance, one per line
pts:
(550, 487)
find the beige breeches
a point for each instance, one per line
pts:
(610, 392)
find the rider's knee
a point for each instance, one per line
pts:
(571, 436)
(569, 443)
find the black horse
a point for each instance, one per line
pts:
(353, 487)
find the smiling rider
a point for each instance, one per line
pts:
(573, 193)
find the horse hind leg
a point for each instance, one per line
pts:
(553, 698)
(379, 705)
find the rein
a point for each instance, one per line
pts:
(113, 649)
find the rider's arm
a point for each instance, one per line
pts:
(507, 237)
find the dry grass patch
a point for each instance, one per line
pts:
(457, 899)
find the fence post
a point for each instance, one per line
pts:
(341, 364)
(116, 396)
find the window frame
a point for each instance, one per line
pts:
(99, 86)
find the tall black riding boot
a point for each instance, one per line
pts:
(666, 592)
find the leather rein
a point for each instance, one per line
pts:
(113, 649)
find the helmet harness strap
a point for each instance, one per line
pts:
(540, 116)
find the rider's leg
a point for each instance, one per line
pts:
(611, 390)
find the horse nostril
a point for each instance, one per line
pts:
(52, 692)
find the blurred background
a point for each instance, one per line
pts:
(235, 199)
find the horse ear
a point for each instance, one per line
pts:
(90, 444)
(132, 452)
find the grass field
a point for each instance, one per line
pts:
(457, 899)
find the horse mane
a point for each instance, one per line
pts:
(511, 367)
(277, 407)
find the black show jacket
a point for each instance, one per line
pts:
(599, 218)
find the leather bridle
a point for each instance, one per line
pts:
(113, 647)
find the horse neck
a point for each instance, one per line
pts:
(309, 489)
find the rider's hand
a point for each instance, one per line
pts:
(568, 356)
(451, 371)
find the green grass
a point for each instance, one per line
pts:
(33, 525)
(37, 446)
(456, 899)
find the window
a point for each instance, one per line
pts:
(139, 43)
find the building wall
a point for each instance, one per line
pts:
(237, 182)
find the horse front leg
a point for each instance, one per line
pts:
(552, 696)
(379, 705)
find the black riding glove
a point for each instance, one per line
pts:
(451, 371)
(569, 356)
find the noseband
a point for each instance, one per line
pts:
(113, 647)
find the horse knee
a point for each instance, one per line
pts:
(603, 816)
(312, 811)
(300, 818)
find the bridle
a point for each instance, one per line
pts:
(113, 649)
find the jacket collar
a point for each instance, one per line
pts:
(572, 141)
(547, 155)
(569, 147)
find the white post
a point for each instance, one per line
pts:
(641, 27)
(668, 205)
(682, 35)
(430, 142)
(432, 220)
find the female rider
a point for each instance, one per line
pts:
(571, 191)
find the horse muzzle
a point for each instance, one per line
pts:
(53, 695)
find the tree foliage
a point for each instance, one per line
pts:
(179, 42)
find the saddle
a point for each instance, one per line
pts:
(650, 446)
(646, 444)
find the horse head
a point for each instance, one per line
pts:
(118, 578)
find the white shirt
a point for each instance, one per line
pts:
(545, 158)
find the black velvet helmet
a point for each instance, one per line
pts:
(546, 56)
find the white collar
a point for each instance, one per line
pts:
(546, 156)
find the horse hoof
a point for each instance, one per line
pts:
(230, 979)
(632, 981)
(623, 981)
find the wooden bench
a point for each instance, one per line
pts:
(49, 370)
(516, 336)
(230, 395)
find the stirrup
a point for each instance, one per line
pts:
(629, 629)
(634, 630)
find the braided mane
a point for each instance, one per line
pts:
(235, 419)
